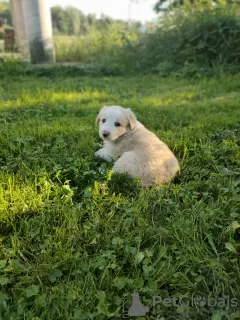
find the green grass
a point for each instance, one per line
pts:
(77, 241)
(110, 46)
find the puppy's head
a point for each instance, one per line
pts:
(114, 122)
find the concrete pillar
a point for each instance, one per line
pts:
(16, 7)
(38, 24)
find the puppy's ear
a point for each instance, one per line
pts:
(98, 117)
(131, 118)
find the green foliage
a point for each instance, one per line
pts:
(72, 21)
(107, 44)
(76, 240)
(112, 48)
(11, 65)
(200, 40)
(67, 21)
(165, 5)
(194, 41)
(5, 12)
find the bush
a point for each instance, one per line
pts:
(113, 48)
(191, 41)
(194, 37)
(11, 66)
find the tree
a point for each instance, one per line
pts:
(73, 19)
(59, 19)
(5, 12)
(91, 18)
(104, 21)
(166, 5)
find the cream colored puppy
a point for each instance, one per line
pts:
(137, 152)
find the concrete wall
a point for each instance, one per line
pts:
(32, 20)
(16, 7)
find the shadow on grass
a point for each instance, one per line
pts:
(124, 185)
(55, 132)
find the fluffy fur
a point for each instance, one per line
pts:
(136, 151)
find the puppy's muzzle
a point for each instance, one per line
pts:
(105, 134)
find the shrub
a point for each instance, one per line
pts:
(11, 66)
(113, 48)
(198, 37)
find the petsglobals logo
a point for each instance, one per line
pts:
(199, 301)
(138, 309)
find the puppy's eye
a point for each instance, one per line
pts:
(117, 124)
(103, 120)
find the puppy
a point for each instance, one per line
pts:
(136, 151)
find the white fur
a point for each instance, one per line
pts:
(135, 150)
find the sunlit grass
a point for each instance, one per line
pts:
(77, 241)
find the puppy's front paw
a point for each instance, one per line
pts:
(103, 155)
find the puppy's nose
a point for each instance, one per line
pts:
(106, 134)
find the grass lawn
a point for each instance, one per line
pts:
(76, 242)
